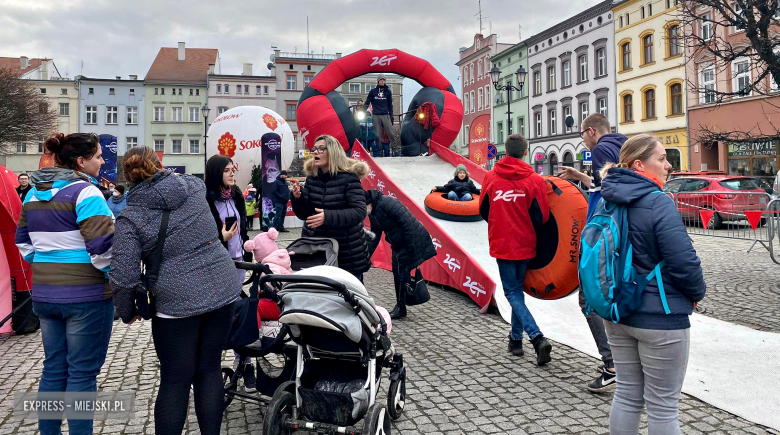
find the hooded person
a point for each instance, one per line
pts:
(332, 203)
(514, 205)
(381, 101)
(410, 241)
(460, 188)
(118, 200)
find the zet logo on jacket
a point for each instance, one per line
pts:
(508, 196)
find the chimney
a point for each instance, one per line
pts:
(119, 77)
(133, 77)
(247, 69)
(23, 62)
(211, 68)
(338, 55)
(45, 70)
(181, 52)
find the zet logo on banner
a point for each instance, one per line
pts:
(384, 60)
(436, 243)
(474, 287)
(452, 263)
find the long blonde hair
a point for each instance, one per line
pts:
(639, 147)
(337, 157)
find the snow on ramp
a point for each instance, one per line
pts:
(732, 367)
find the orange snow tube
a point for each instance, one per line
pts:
(438, 206)
(552, 274)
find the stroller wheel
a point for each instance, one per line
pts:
(377, 421)
(273, 370)
(277, 414)
(396, 397)
(230, 386)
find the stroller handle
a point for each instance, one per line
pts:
(340, 288)
(254, 267)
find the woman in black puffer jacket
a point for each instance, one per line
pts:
(410, 241)
(333, 203)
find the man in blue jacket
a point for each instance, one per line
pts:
(381, 100)
(605, 147)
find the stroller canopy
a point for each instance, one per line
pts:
(320, 306)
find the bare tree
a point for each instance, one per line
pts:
(25, 115)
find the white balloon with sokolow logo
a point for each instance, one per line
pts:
(238, 132)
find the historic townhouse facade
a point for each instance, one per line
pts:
(755, 112)
(115, 107)
(477, 91)
(227, 91)
(176, 90)
(504, 123)
(571, 74)
(649, 54)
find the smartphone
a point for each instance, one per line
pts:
(229, 221)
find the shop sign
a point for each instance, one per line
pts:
(748, 149)
(669, 139)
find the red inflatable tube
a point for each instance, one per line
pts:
(438, 206)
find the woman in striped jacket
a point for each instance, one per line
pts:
(66, 231)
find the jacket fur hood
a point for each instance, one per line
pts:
(356, 167)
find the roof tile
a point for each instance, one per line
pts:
(167, 68)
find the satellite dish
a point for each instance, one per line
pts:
(569, 121)
(270, 65)
(273, 58)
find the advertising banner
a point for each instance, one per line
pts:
(271, 145)
(479, 135)
(108, 170)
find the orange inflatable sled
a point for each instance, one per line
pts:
(438, 206)
(552, 274)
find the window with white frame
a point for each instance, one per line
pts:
(159, 145)
(551, 116)
(176, 114)
(221, 110)
(567, 73)
(487, 97)
(741, 15)
(537, 83)
(219, 89)
(471, 73)
(176, 146)
(307, 80)
(194, 114)
(647, 45)
(354, 88)
(64, 109)
(583, 111)
(246, 89)
(741, 70)
(583, 66)
(538, 116)
(706, 26)
(265, 90)
(479, 70)
(194, 146)
(471, 101)
(159, 114)
(602, 104)
(132, 142)
(601, 62)
(673, 39)
(21, 148)
(521, 126)
(500, 130)
(465, 75)
(487, 66)
(368, 87)
(63, 91)
(707, 85)
(566, 115)
(112, 115)
(551, 78)
(91, 115)
(466, 104)
(192, 92)
(258, 90)
(479, 97)
(132, 115)
(227, 89)
(292, 83)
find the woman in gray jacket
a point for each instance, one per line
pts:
(195, 291)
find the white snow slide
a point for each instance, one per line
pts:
(732, 367)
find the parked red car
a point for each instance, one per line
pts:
(729, 196)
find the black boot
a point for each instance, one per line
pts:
(515, 347)
(399, 310)
(543, 349)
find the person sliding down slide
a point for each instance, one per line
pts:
(460, 188)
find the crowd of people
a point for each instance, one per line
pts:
(95, 246)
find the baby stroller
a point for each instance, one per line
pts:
(342, 349)
(273, 351)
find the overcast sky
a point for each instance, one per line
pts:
(119, 38)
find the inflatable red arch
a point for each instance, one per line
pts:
(322, 111)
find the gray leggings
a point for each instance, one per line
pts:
(650, 367)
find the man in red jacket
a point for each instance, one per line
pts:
(514, 198)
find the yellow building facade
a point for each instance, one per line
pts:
(650, 81)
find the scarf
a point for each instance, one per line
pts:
(226, 194)
(652, 177)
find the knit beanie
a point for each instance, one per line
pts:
(461, 167)
(263, 244)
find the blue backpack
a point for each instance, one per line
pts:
(607, 275)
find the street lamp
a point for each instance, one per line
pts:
(495, 75)
(205, 112)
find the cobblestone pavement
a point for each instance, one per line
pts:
(461, 380)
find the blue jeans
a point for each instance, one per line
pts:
(75, 341)
(512, 274)
(452, 196)
(280, 211)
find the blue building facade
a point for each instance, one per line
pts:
(113, 107)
